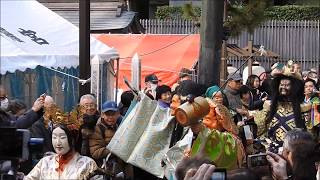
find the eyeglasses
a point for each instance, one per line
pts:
(3, 97)
(88, 106)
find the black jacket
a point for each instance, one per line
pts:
(26, 120)
(22, 122)
(39, 130)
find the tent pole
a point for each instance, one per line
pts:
(117, 80)
(84, 46)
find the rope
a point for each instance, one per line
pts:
(162, 48)
(75, 77)
(160, 69)
(144, 54)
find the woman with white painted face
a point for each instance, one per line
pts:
(66, 163)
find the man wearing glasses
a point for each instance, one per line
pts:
(232, 92)
(90, 117)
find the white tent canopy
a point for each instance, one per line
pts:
(33, 35)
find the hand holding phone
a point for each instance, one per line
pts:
(204, 172)
(278, 164)
(257, 160)
(39, 103)
(43, 95)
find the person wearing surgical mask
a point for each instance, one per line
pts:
(151, 84)
(66, 163)
(3, 98)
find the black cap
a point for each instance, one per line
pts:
(151, 78)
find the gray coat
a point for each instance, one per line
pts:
(233, 98)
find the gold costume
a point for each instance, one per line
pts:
(282, 121)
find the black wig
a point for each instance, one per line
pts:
(296, 97)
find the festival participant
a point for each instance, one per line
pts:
(286, 110)
(125, 102)
(219, 117)
(163, 96)
(66, 163)
(186, 87)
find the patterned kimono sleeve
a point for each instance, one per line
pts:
(91, 167)
(35, 173)
(260, 118)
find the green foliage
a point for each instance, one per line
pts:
(244, 15)
(308, 2)
(293, 13)
(248, 16)
(191, 12)
(275, 12)
(166, 12)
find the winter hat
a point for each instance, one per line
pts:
(212, 90)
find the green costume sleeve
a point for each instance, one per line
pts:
(219, 147)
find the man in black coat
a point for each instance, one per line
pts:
(24, 121)
(39, 130)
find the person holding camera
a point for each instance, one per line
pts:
(39, 129)
(27, 119)
(299, 156)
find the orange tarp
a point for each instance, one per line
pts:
(163, 55)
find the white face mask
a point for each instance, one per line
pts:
(60, 141)
(4, 104)
(153, 86)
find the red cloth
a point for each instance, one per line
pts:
(166, 63)
(63, 160)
